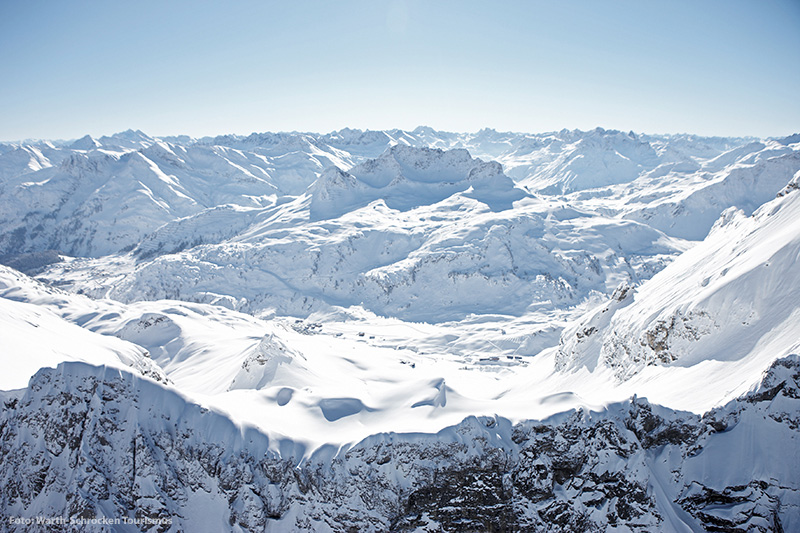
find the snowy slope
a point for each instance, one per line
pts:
(92, 197)
(402, 330)
(732, 298)
(341, 376)
(23, 158)
(35, 337)
(687, 208)
(98, 201)
(419, 234)
(405, 177)
(200, 348)
(144, 452)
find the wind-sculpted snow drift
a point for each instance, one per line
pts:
(401, 330)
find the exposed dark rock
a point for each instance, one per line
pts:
(83, 442)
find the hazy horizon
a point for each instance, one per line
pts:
(308, 132)
(205, 68)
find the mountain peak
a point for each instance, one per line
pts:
(87, 142)
(129, 138)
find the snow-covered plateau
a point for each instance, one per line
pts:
(400, 331)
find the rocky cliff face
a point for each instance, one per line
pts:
(84, 441)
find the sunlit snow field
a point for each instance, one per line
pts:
(326, 288)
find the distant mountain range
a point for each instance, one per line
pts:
(402, 330)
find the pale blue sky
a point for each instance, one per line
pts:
(211, 67)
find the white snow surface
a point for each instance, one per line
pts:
(719, 312)
(35, 336)
(330, 287)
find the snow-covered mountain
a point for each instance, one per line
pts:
(731, 298)
(418, 233)
(401, 330)
(86, 441)
(93, 197)
(35, 337)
